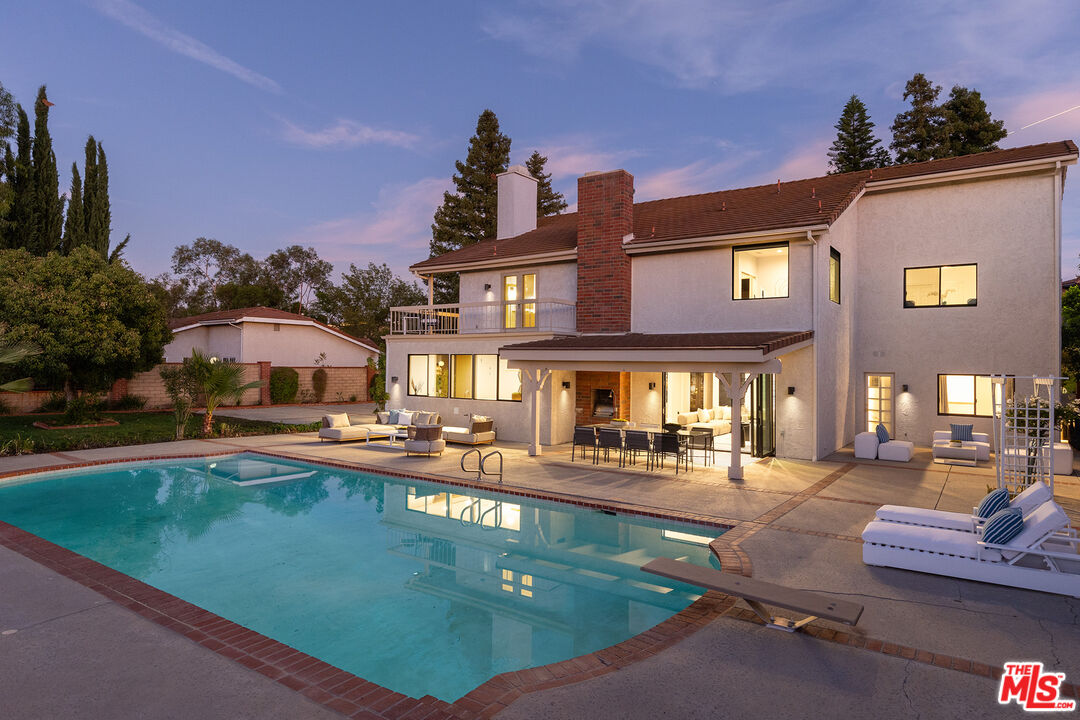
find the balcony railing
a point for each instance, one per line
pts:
(539, 316)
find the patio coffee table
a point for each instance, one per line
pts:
(949, 454)
(387, 439)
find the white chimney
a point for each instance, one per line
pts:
(517, 202)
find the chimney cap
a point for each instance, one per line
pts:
(518, 170)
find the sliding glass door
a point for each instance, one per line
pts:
(762, 416)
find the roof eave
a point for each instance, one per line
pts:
(653, 246)
(512, 260)
(974, 173)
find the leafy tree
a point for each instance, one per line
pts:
(1070, 333)
(299, 272)
(8, 121)
(217, 381)
(855, 147)
(181, 389)
(468, 214)
(95, 321)
(206, 264)
(548, 200)
(917, 133)
(361, 304)
(74, 228)
(8, 114)
(174, 295)
(18, 169)
(47, 207)
(968, 127)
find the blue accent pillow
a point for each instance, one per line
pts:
(961, 432)
(882, 434)
(994, 502)
(393, 417)
(1003, 526)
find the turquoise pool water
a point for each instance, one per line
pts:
(417, 587)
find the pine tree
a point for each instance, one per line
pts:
(468, 214)
(47, 207)
(855, 147)
(74, 227)
(968, 126)
(918, 132)
(548, 201)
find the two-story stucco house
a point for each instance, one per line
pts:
(815, 309)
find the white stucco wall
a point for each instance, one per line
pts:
(299, 345)
(221, 341)
(795, 413)
(834, 336)
(513, 420)
(692, 292)
(646, 406)
(1007, 227)
(557, 281)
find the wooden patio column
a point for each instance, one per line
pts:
(736, 391)
(533, 380)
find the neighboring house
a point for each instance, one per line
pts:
(815, 308)
(259, 334)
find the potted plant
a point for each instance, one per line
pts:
(620, 422)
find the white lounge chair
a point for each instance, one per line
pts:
(1044, 556)
(1027, 501)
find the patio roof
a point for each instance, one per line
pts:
(693, 352)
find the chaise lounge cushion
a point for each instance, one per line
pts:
(349, 432)
(936, 540)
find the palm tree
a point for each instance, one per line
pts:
(218, 382)
(11, 352)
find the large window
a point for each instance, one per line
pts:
(940, 286)
(971, 395)
(879, 402)
(467, 377)
(834, 275)
(516, 313)
(760, 271)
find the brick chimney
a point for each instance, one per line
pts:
(605, 216)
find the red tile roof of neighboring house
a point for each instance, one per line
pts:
(798, 203)
(767, 342)
(265, 313)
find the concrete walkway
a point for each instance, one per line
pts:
(797, 521)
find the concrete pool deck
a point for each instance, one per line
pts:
(797, 523)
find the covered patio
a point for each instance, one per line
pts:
(736, 359)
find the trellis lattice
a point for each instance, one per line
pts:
(1024, 433)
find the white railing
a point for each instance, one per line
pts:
(540, 316)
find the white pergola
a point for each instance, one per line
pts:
(735, 365)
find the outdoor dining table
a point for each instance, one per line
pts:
(684, 435)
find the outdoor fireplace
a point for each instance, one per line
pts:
(604, 403)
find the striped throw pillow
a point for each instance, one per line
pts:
(1003, 526)
(961, 432)
(992, 503)
(882, 434)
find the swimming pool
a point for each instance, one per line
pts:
(422, 588)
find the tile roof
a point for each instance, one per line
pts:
(262, 313)
(797, 203)
(767, 342)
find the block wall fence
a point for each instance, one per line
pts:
(341, 384)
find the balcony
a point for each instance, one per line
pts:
(527, 316)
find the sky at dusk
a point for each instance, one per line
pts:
(336, 123)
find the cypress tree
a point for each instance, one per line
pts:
(918, 132)
(47, 207)
(90, 192)
(468, 214)
(548, 201)
(968, 126)
(855, 147)
(20, 175)
(7, 194)
(100, 225)
(74, 227)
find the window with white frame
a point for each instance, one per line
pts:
(516, 313)
(466, 377)
(760, 271)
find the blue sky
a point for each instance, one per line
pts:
(336, 123)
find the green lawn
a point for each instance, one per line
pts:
(17, 432)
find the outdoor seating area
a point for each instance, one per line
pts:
(878, 446)
(656, 444)
(392, 425)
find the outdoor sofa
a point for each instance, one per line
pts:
(717, 420)
(338, 427)
(481, 431)
(943, 449)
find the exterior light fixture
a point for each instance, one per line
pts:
(903, 388)
(566, 384)
(393, 379)
(487, 286)
(790, 389)
(652, 386)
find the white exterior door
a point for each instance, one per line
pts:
(879, 402)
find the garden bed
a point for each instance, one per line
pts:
(19, 436)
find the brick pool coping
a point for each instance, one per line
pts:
(341, 690)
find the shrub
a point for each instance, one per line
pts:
(352, 398)
(318, 384)
(17, 445)
(284, 384)
(56, 402)
(129, 402)
(5, 408)
(82, 409)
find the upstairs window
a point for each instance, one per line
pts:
(834, 275)
(760, 271)
(516, 313)
(940, 286)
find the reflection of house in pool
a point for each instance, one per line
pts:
(245, 471)
(520, 574)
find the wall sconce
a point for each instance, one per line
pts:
(566, 384)
(903, 388)
(393, 378)
(652, 386)
(487, 286)
(790, 389)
